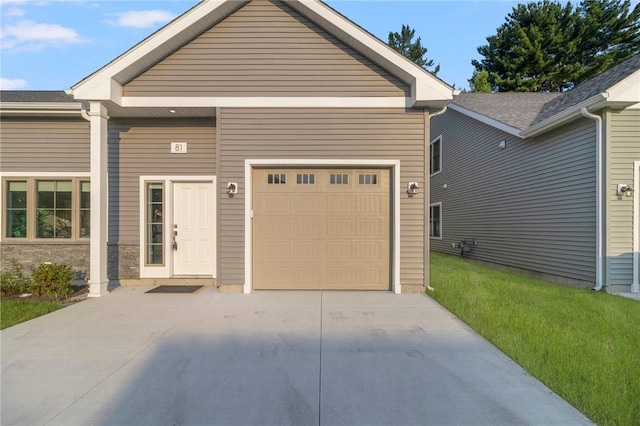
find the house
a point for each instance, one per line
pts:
(544, 183)
(257, 144)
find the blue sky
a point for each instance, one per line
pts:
(51, 45)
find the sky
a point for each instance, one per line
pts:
(53, 44)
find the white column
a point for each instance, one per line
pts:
(98, 281)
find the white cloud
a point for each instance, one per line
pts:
(33, 35)
(142, 18)
(12, 84)
(14, 12)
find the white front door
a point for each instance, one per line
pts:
(193, 228)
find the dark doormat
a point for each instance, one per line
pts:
(175, 289)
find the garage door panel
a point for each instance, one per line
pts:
(321, 229)
(339, 203)
(339, 251)
(303, 227)
(340, 227)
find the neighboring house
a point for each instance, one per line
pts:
(538, 180)
(253, 144)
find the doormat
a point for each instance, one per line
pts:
(175, 289)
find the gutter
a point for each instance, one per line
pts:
(566, 115)
(599, 207)
(84, 113)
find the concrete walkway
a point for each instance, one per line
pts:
(267, 358)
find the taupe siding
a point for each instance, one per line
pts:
(142, 147)
(266, 49)
(320, 134)
(44, 145)
(624, 149)
(530, 206)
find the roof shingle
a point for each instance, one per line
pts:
(35, 96)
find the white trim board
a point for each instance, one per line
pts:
(635, 287)
(487, 120)
(248, 228)
(266, 102)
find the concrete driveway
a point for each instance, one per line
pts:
(267, 358)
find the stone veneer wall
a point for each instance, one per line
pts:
(32, 255)
(123, 261)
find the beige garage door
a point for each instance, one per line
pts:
(321, 229)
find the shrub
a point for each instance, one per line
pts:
(14, 282)
(53, 280)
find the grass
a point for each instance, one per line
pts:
(582, 344)
(13, 312)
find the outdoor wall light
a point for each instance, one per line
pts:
(232, 188)
(625, 189)
(412, 187)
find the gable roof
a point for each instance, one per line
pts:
(517, 110)
(38, 103)
(35, 96)
(590, 88)
(527, 114)
(107, 83)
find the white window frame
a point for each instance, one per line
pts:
(439, 204)
(436, 140)
(393, 165)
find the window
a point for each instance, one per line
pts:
(47, 208)
(435, 220)
(276, 178)
(154, 223)
(306, 178)
(339, 179)
(435, 156)
(16, 209)
(367, 179)
(53, 209)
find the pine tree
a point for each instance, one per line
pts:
(547, 47)
(414, 51)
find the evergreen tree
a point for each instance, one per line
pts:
(403, 43)
(479, 82)
(546, 46)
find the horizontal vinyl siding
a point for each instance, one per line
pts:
(142, 147)
(356, 134)
(266, 49)
(530, 205)
(44, 145)
(624, 150)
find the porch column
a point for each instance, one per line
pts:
(98, 281)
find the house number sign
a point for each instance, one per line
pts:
(178, 147)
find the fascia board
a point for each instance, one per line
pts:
(593, 103)
(40, 108)
(95, 83)
(424, 87)
(627, 90)
(487, 120)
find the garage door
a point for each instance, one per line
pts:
(321, 229)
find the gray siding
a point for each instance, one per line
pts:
(530, 206)
(266, 49)
(142, 147)
(624, 149)
(44, 145)
(311, 133)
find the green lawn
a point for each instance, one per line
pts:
(13, 312)
(584, 345)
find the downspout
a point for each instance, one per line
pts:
(599, 213)
(427, 185)
(84, 113)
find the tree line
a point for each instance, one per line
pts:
(544, 46)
